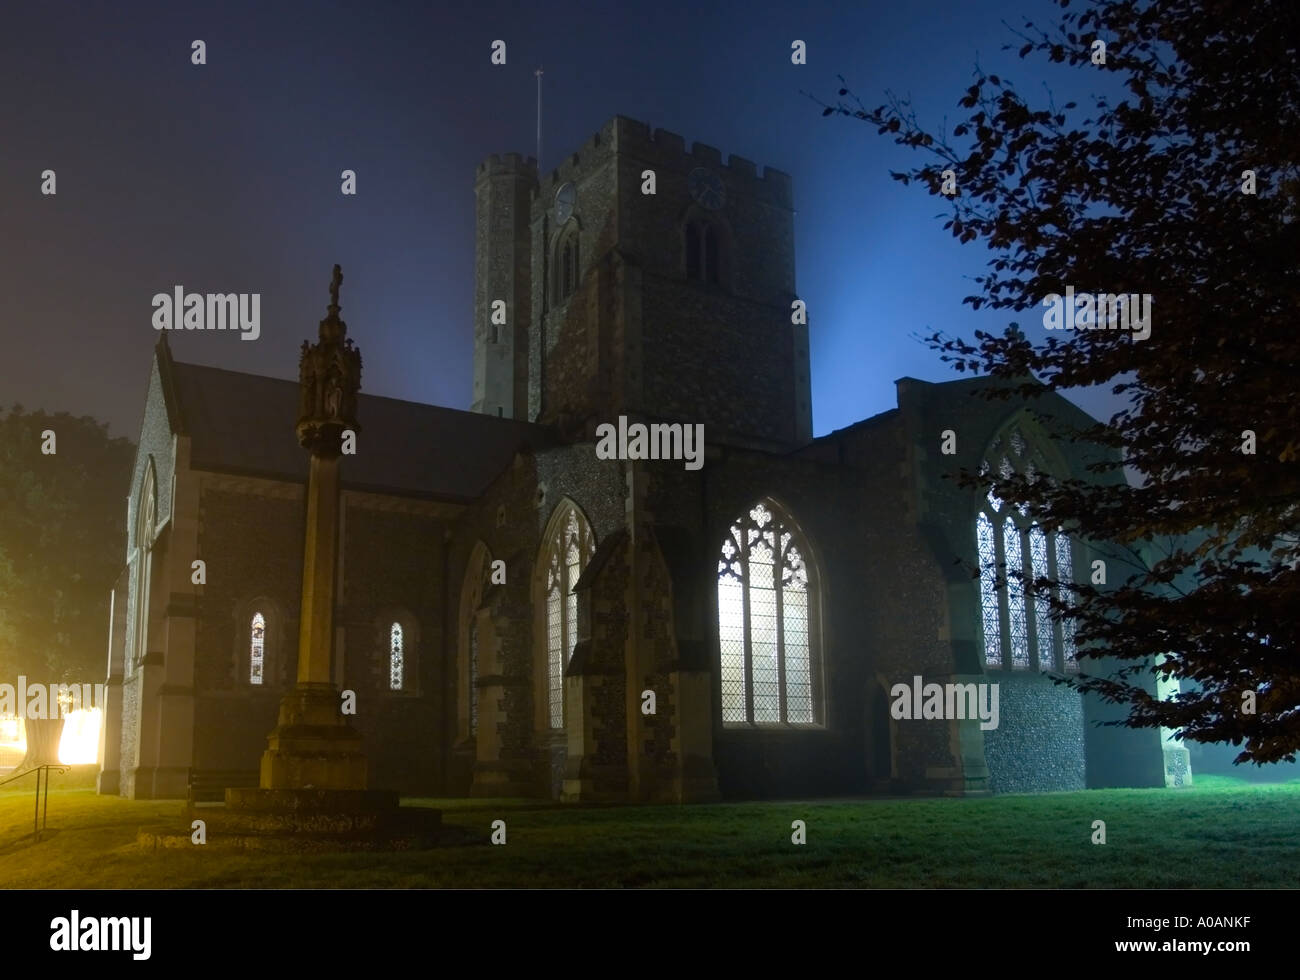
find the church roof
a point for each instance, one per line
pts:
(244, 423)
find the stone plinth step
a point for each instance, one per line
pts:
(324, 801)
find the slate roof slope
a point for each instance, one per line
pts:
(244, 423)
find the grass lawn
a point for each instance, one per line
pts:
(1223, 833)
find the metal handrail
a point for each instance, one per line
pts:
(39, 816)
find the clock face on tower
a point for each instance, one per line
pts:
(706, 187)
(565, 198)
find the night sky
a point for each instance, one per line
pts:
(225, 177)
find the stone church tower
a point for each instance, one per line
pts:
(672, 305)
(503, 195)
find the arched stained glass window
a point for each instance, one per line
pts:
(257, 649)
(1017, 626)
(396, 665)
(770, 665)
(570, 548)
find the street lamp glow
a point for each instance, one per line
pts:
(79, 744)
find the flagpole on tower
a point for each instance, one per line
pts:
(538, 73)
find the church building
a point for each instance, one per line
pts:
(527, 605)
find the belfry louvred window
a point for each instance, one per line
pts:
(703, 252)
(566, 271)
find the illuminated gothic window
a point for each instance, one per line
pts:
(568, 552)
(767, 638)
(1016, 622)
(395, 661)
(257, 650)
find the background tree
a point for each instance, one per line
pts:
(1147, 193)
(62, 545)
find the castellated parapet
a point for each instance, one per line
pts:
(497, 164)
(620, 318)
(661, 149)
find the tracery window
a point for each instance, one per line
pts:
(569, 549)
(766, 632)
(1016, 622)
(396, 658)
(257, 649)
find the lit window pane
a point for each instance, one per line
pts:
(395, 662)
(1015, 597)
(555, 656)
(571, 602)
(1042, 621)
(762, 635)
(989, 591)
(1064, 575)
(731, 633)
(798, 662)
(257, 650)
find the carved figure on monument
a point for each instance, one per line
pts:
(333, 396)
(306, 383)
